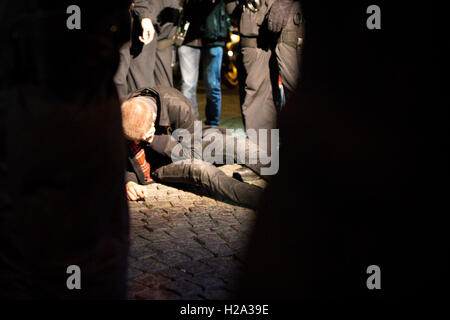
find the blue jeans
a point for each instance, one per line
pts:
(212, 65)
(189, 58)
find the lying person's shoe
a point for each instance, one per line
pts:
(245, 174)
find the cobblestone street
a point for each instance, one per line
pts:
(186, 245)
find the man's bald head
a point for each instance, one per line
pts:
(138, 116)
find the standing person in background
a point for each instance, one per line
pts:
(256, 90)
(206, 37)
(137, 56)
(214, 32)
(189, 51)
(166, 26)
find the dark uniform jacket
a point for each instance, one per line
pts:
(141, 8)
(249, 22)
(146, 9)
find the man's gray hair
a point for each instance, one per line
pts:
(138, 115)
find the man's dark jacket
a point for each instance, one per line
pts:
(174, 112)
(208, 21)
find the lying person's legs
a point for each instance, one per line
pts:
(222, 148)
(212, 179)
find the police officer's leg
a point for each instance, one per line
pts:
(258, 108)
(288, 59)
(242, 76)
(163, 67)
(212, 179)
(120, 78)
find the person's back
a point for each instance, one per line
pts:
(209, 26)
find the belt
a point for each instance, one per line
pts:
(249, 42)
(196, 43)
(290, 38)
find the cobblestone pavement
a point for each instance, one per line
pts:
(186, 245)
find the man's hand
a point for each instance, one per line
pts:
(134, 191)
(148, 31)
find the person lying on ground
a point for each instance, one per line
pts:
(167, 145)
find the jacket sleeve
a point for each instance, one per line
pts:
(146, 9)
(231, 6)
(176, 113)
(163, 144)
(130, 176)
(181, 112)
(138, 168)
(234, 11)
(141, 9)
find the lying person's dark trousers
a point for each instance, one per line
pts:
(199, 169)
(211, 178)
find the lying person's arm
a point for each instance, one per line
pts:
(138, 171)
(163, 144)
(134, 190)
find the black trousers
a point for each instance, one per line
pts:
(211, 178)
(255, 85)
(256, 90)
(201, 169)
(288, 59)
